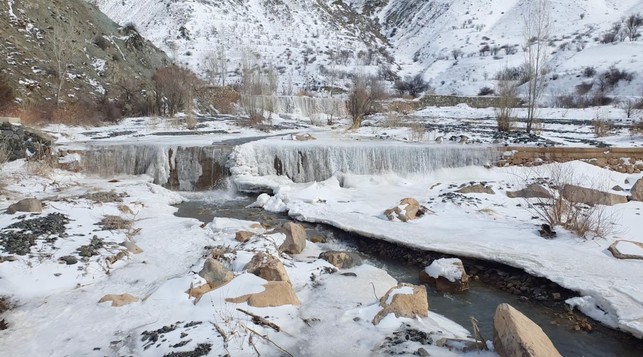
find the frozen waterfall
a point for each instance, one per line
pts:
(183, 168)
(318, 160)
(300, 105)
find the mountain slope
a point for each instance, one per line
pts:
(424, 35)
(314, 43)
(69, 50)
(301, 39)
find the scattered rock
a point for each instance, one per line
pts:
(119, 300)
(31, 205)
(215, 273)
(91, 249)
(626, 249)
(617, 188)
(202, 349)
(276, 293)
(447, 274)
(69, 259)
(243, 236)
(637, 190)
(532, 191)
(19, 237)
(341, 260)
(267, 267)
(591, 196)
(546, 231)
(515, 335)
(404, 300)
(408, 209)
(295, 238)
(478, 188)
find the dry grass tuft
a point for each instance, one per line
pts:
(418, 132)
(114, 223)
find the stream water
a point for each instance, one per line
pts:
(480, 302)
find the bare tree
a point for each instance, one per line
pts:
(537, 28)
(632, 25)
(216, 66)
(362, 97)
(174, 88)
(507, 101)
(62, 51)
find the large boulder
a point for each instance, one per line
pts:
(477, 188)
(215, 273)
(448, 275)
(590, 196)
(295, 238)
(637, 190)
(408, 209)
(532, 191)
(515, 335)
(404, 300)
(32, 205)
(276, 293)
(118, 300)
(267, 267)
(341, 260)
(626, 249)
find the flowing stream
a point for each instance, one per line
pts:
(480, 302)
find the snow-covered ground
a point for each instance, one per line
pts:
(57, 303)
(55, 310)
(489, 226)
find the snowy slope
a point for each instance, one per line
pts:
(424, 35)
(297, 38)
(304, 39)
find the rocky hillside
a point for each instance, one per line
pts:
(68, 50)
(458, 45)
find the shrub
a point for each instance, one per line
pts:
(589, 72)
(412, 86)
(486, 91)
(507, 93)
(602, 127)
(173, 86)
(584, 88)
(519, 74)
(583, 220)
(613, 76)
(130, 28)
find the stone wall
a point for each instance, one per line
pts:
(626, 160)
(452, 100)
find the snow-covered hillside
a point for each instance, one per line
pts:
(425, 35)
(298, 38)
(458, 45)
